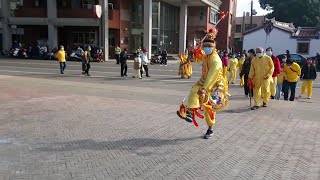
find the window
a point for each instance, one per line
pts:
(213, 16)
(40, 3)
(303, 47)
(249, 26)
(88, 38)
(238, 28)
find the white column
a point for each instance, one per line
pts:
(6, 30)
(147, 33)
(52, 29)
(183, 27)
(104, 26)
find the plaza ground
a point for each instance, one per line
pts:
(107, 127)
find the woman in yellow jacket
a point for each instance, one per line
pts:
(240, 65)
(292, 72)
(232, 67)
(61, 56)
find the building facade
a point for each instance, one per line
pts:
(225, 37)
(283, 36)
(128, 23)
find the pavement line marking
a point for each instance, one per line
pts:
(73, 65)
(72, 75)
(160, 75)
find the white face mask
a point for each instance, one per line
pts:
(62, 49)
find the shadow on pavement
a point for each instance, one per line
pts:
(123, 144)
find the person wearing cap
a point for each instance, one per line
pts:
(211, 79)
(145, 61)
(61, 56)
(308, 75)
(260, 75)
(292, 72)
(277, 70)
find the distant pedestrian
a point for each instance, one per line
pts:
(288, 54)
(145, 62)
(87, 58)
(137, 66)
(232, 68)
(276, 72)
(225, 62)
(123, 61)
(308, 75)
(292, 73)
(117, 52)
(61, 56)
(164, 57)
(240, 65)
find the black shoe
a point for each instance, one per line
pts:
(255, 107)
(133, 77)
(209, 134)
(148, 76)
(88, 74)
(83, 72)
(272, 97)
(264, 104)
(188, 118)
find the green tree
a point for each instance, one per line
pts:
(300, 12)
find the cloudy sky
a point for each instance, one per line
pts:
(244, 5)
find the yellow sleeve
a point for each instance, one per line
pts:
(213, 73)
(251, 73)
(269, 74)
(298, 69)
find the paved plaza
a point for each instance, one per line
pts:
(61, 127)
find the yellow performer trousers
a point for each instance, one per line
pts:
(232, 75)
(194, 102)
(242, 81)
(273, 86)
(259, 93)
(307, 85)
(225, 72)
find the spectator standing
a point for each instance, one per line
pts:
(276, 72)
(145, 62)
(240, 65)
(308, 75)
(117, 52)
(123, 61)
(87, 58)
(292, 72)
(164, 57)
(288, 54)
(137, 66)
(61, 56)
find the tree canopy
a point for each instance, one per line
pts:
(300, 12)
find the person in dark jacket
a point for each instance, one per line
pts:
(164, 57)
(123, 61)
(245, 72)
(308, 75)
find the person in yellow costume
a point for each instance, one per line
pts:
(232, 67)
(61, 56)
(240, 65)
(185, 68)
(209, 92)
(260, 75)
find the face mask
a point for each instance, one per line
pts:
(208, 50)
(269, 53)
(62, 49)
(259, 55)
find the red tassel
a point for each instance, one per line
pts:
(210, 113)
(194, 119)
(199, 115)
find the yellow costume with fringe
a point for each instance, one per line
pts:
(240, 65)
(185, 68)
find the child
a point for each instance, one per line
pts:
(308, 75)
(280, 83)
(137, 66)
